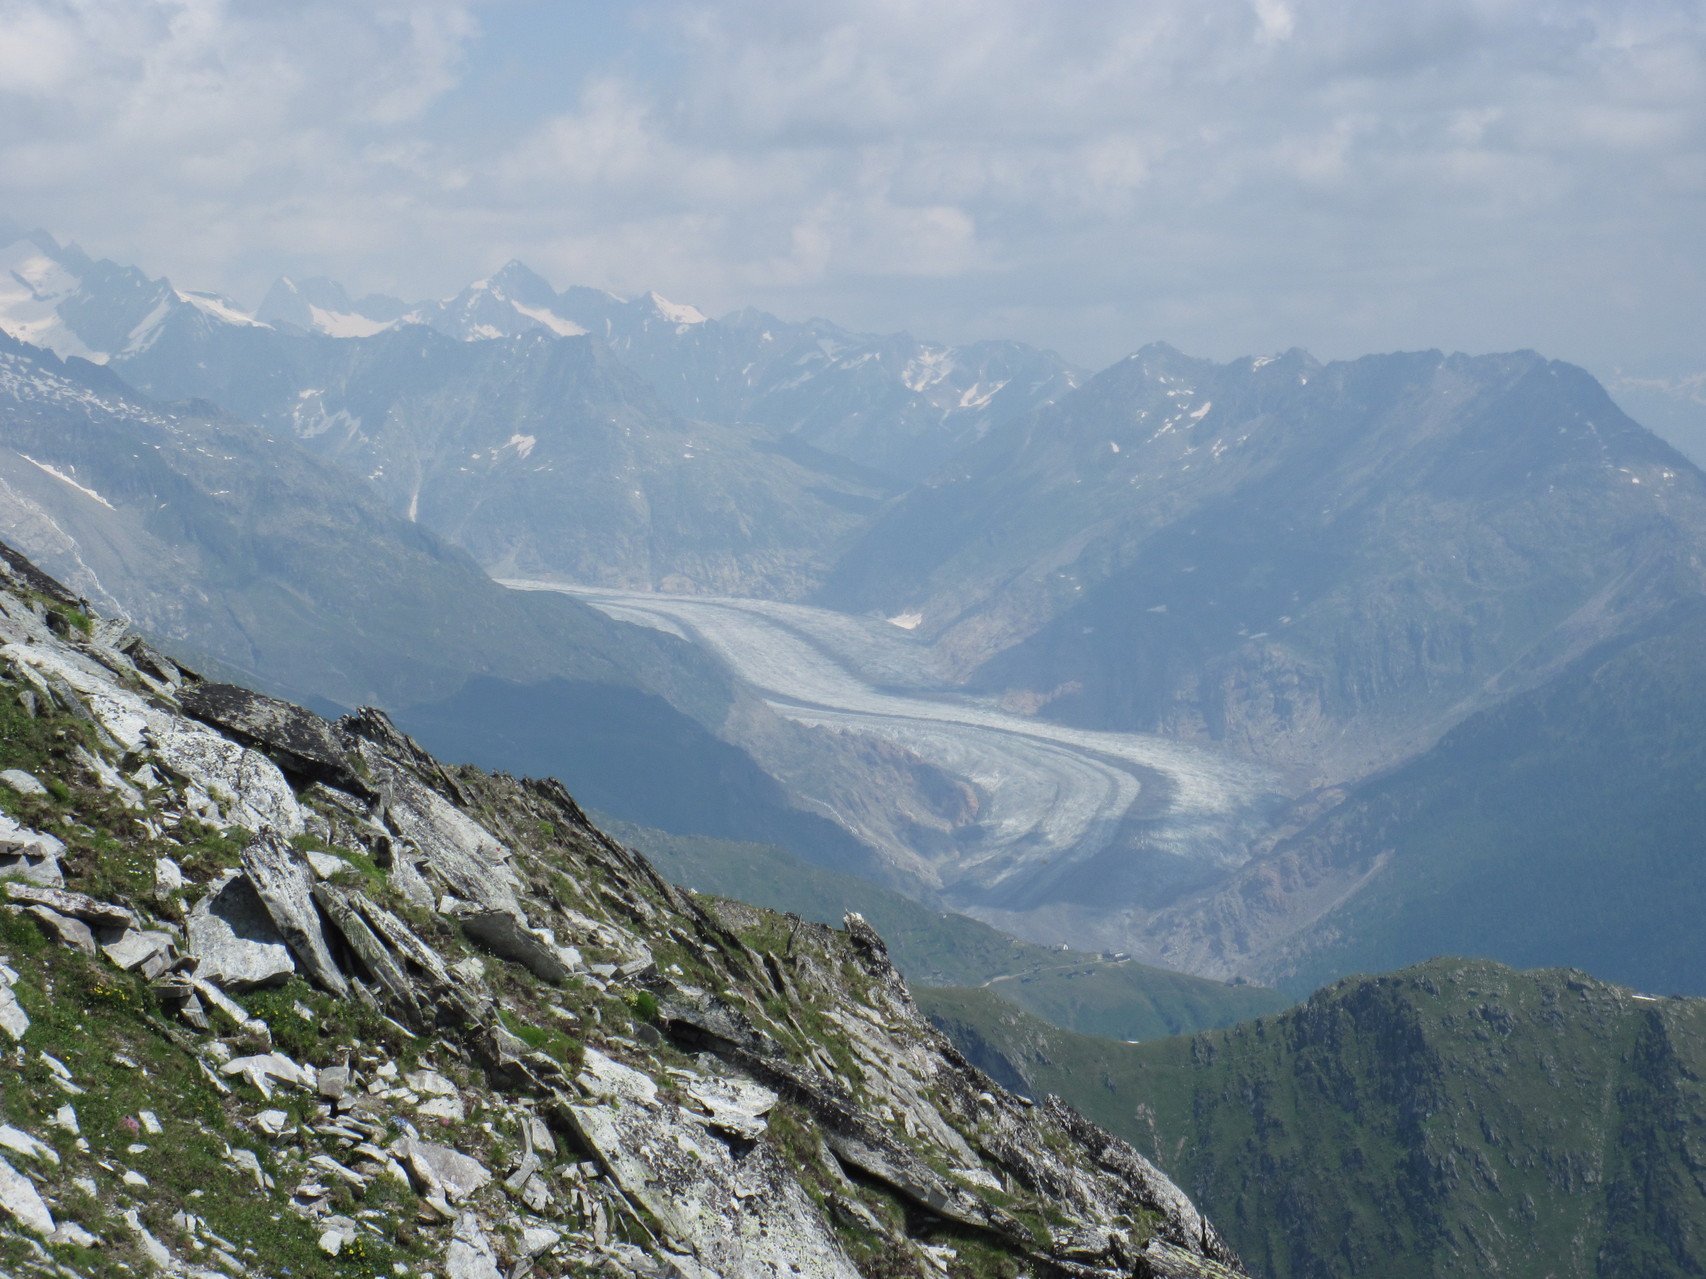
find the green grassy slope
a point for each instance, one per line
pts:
(1122, 1000)
(1455, 1119)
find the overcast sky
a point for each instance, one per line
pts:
(1232, 176)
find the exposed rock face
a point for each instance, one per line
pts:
(233, 938)
(600, 1070)
(284, 883)
(296, 739)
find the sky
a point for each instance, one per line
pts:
(1230, 176)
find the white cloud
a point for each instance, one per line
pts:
(1228, 174)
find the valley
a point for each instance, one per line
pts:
(1054, 800)
(1235, 667)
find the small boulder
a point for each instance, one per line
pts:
(18, 1198)
(505, 935)
(64, 929)
(285, 887)
(22, 782)
(146, 952)
(333, 1082)
(234, 939)
(439, 1169)
(261, 1069)
(13, 1019)
(72, 1233)
(469, 1255)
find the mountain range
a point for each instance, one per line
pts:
(1258, 641)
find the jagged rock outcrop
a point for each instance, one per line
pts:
(310, 957)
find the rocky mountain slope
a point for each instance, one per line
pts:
(1320, 566)
(1095, 993)
(285, 996)
(1455, 1119)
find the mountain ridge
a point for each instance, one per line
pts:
(1455, 1118)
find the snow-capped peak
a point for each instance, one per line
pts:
(675, 312)
(219, 307)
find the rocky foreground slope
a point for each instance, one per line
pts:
(283, 996)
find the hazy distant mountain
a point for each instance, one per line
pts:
(1320, 566)
(570, 435)
(890, 403)
(59, 298)
(211, 533)
(1563, 826)
(543, 457)
(320, 305)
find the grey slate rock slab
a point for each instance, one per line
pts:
(469, 1255)
(22, 782)
(19, 1198)
(235, 940)
(470, 861)
(333, 1081)
(33, 854)
(285, 886)
(503, 934)
(147, 952)
(745, 1216)
(13, 1019)
(441, 1169)
(64, 929)
(297, 739)
(81, 906)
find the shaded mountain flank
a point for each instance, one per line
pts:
(1321, 566)
(1457, 1119)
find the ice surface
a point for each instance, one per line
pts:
(1053, 794)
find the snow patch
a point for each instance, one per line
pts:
(144, 334)
(62, 476)
(976, 397)
(1199, 413)
(32, 285)
(679, 312)
(220, 308)
(927, 368)
(345, 324)
(556, 323)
